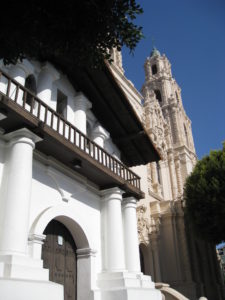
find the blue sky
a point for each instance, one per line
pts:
(192, 35)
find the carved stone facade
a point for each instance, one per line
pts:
(168, 250)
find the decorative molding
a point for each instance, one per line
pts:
(143, 224)
(36, 238)
(86, 252)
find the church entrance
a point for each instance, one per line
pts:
(59, 256)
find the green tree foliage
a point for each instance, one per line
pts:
(205, 197)
(75, 32)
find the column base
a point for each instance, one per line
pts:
(12, 289)
(22, 267)
(126, 286)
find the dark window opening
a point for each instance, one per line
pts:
(154, 69)
(61, 107)
(177, 97)
(142, 260)
(88, 133)
(30, 84)
(158, 95)
(158, 172)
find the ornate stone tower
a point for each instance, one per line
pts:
(168, 249)
(178, 147)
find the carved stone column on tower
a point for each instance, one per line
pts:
(155, 253)
(147, 67)
(174, 125)
(155, 183)
(179, 176)
(173, 176)
(183, 246)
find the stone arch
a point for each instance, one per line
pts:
(144, 257)
(67, 217)
(85, 251)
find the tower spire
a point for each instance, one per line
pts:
(155, 51)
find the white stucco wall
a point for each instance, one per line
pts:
(52, 188)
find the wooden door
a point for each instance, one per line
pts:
(59, 256)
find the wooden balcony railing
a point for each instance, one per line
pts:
(37, 108)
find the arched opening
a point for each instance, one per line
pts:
(154, 69)
(30, 84)
(74, 222)
(158, 95)
(59, 256)
(144, 259)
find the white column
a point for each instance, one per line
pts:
(99, 135)
(46, 77)
(15, 198)
(179, 177)
(132, 255)
(81, 106)
(85, 272)
(20, 71)
(113, 230)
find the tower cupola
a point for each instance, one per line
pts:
(155, 52)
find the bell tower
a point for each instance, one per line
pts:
(159, 79)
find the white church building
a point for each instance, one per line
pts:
(91, 184)
(68, 227)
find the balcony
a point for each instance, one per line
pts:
(61, 139)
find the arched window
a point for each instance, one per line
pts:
(154, 69)
(30, 84)
(158, 95)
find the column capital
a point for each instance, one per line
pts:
(49, 69)
(36, 238)
(99, 131)
(129, 202)
(22, 135)
(25, 66)
(112, 193)
(85, 252)
(82, 102)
